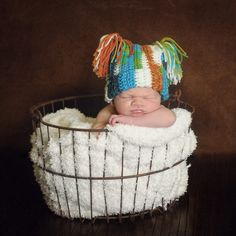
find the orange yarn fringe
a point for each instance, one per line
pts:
(157, 83)
(108, 44)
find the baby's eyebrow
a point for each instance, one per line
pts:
(126, 94)
(149, 94)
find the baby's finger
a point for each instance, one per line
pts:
(114, 120)
(111, 120)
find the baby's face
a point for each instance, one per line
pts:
(137, 101)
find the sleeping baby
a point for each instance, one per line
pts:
(137, 79)
(137, 106)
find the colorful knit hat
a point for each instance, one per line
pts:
(127, 65)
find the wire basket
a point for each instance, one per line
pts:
(90, 104)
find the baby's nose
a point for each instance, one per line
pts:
(137, 101)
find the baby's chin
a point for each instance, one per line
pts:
(137, 115)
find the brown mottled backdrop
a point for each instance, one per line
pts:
(47, 47)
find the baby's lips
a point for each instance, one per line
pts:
(137, 112)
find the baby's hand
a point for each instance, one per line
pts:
(120, 119)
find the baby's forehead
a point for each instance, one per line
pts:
(140, 92)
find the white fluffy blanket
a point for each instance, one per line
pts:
(143, 150)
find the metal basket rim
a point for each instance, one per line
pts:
(36, 114)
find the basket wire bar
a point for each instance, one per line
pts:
(53, 107)
(42, 109)
(62, 171)
(103, 182)
(136, 181)
(42, 142)
(121, 186)
(150, 167)
(48, 133)
(58, 198)
(166, 151)
(35, 125)
(44, 112)
(41, 134)
(76, 172)
(90, 177)
(157, 193)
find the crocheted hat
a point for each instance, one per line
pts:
(127, 65)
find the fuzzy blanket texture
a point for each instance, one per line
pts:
(82, 154)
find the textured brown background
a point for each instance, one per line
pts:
(47, 47)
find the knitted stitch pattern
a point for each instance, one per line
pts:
(127, 65)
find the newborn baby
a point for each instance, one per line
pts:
(137, 106)
(137, 79)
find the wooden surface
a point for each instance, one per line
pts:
(208, 208)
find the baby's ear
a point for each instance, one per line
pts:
(112, 103)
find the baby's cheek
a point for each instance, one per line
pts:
(122, 109)
(153, 106)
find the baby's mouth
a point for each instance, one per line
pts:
(137, 112)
